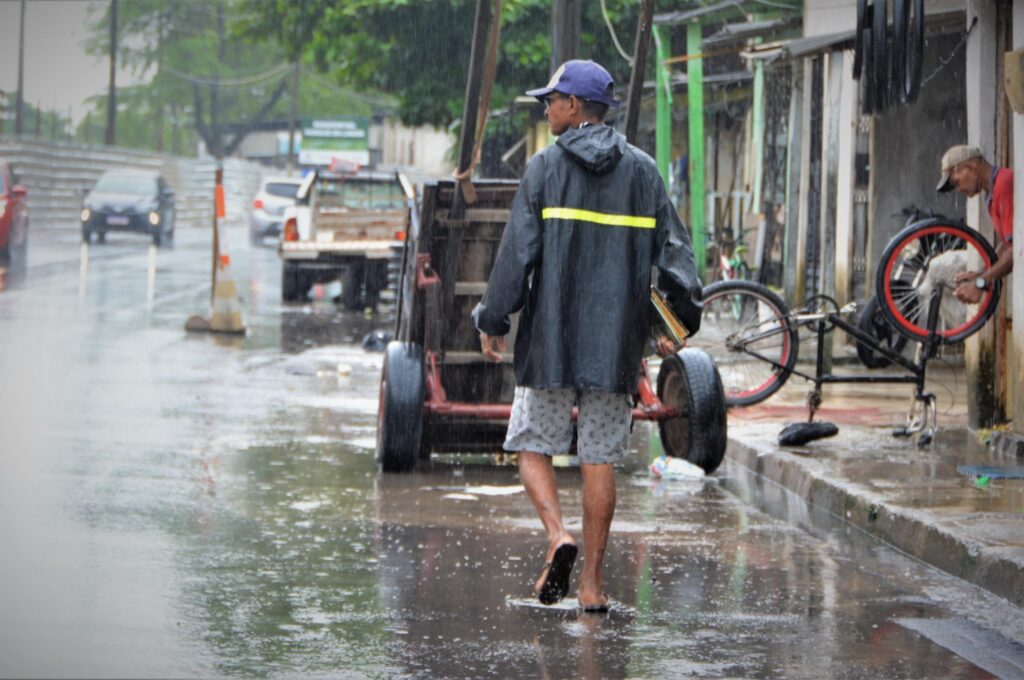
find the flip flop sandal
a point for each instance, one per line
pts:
(556, 583)
(600, 608)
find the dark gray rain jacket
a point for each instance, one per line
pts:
(589, 221)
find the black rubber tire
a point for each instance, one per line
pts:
(911, 83)
(86, 236)
(898, 55)
(689, 380)
(881, 71)
(903, 255)
(858, 43)
(294, 283)
(874, 323)
(400, 407)
(101, 237)
(742, 319)
(867, 83)
(158, 237)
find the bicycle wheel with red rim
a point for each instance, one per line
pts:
(921, 262)
(747, 331)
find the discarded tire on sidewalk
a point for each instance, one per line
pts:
(689, 381)
(400, 410)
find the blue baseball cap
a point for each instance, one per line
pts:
(584, 79)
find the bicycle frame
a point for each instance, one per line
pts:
(916, 371)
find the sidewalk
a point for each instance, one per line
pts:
(913, 499)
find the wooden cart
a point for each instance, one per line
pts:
(438, 393)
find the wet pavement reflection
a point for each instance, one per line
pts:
(175, 505)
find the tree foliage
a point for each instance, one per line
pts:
(419, 51)
(214, 69)
(201, 80)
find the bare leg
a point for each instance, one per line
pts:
(598, 509)
(538, 476)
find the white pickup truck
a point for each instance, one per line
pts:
(347, 227)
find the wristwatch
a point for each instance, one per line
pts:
(980, 283)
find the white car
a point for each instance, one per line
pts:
(275, 194)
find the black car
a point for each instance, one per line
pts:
(129, 200)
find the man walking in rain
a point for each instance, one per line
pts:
(589, 221)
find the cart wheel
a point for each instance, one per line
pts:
(400, 411)
(690, 382)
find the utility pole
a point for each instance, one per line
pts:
(636, 77)
(111, 92)
(158, 104)
(565, 31)
(293, 117)
(21, 72)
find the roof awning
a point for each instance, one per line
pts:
(819, 44)
(750, 29)
(730, 78)
(686, 16)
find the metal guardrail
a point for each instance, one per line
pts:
(56, 175)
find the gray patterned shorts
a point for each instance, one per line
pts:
(541, 422)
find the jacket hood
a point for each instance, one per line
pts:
(597, 148)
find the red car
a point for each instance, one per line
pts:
(13, 221)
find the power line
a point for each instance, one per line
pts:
(275, 72)
(373, 101)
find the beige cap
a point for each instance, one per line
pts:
(952, 158)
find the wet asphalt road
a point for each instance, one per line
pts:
(175, 505)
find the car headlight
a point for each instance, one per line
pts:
(86, 214)
(154, 218)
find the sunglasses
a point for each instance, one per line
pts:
(551, 98)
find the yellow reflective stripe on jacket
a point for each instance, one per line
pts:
(609, 219)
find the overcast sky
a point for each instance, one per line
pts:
(58, 72)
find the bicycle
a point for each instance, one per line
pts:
(730, 263)
(753, 337)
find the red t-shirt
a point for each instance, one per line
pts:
(1000, 203)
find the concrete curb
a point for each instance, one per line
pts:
(925, 535)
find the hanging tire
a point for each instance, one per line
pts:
(863, 21)
(898, 55)
(867, 78)
(689, 381)
(882, 57)
(400, 407)
(911, 85)
(872, 322)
